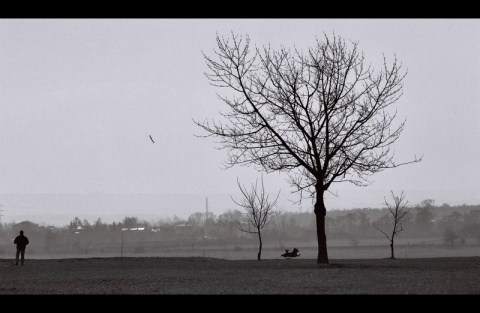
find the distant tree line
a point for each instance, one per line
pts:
(452, 224)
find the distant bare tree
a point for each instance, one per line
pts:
(449, 236)
(424, 216)
(399, 212)
(258, 208)
(322, 116)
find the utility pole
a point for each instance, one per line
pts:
(1, 215)
(206, 216)
(121, 243)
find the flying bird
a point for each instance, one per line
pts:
(151, 138)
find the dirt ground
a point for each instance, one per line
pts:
(212, 276)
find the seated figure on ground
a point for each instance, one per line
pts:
(292, 254)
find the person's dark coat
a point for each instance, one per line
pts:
(21, 241)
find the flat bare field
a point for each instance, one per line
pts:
(213, 276)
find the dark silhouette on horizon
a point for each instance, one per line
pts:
(292, 254)
(21, 241)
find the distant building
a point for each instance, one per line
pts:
(136, 227)
(78, 229)
(183, 229)
(27, 227)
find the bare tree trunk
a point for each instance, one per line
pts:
(320, 213)
(391, 249)
(259, 255)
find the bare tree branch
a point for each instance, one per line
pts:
(257, 209)
(399, 213)
(321, 116)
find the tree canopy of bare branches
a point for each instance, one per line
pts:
(257, 211)
(322, 116)
(399, 212)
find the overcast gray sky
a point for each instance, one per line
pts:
(80, 97)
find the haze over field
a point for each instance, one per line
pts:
(80, 98)
(61, 209)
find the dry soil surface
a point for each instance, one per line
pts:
(210, 276)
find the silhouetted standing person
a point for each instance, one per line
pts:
(21, 241)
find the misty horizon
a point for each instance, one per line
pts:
(59, 209)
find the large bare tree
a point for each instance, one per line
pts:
(257, 211)
(322, 116)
